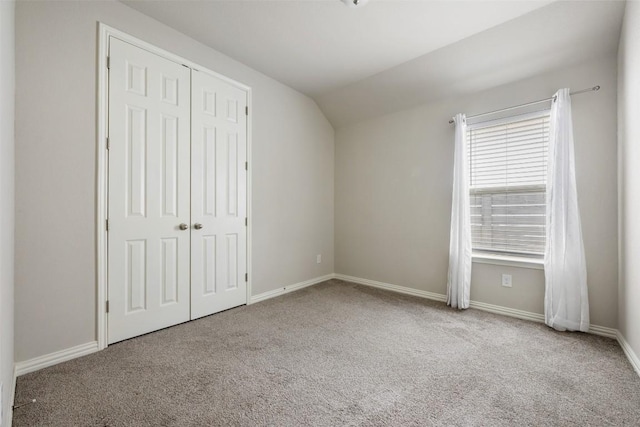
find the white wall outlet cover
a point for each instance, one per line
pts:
(506, 280)
(318, 258)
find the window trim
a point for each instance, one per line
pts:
(507, 260)
(508, 119)
(513, 259)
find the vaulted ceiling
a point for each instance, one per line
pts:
(394, 54)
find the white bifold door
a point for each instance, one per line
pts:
(177, 238)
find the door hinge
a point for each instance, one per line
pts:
(108, 144)
(246, 221)
(246, 110)
(246, 166)
(108, 62)
(107, 223)
(107, 306)
(246, 277)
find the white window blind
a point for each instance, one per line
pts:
(508, 166)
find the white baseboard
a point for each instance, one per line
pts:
(395, 288)
(491, 308)
(51, 359)
(506, 311)
(536, 317)
(286, 289)
(603, 331)
(497, 309)
(628, 351)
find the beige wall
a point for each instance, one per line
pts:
(7, 68)
(629, 175)
(393, 193)
(56, 169)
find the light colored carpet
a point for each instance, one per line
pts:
(341, 354)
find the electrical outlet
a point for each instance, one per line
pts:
(319, 258)
(506, 280)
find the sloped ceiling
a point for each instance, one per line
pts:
(394, 54)
(558, 35)
(318, 46)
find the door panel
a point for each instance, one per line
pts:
(149, 194)
(218, 195)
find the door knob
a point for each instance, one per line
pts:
(197, 226)
(183, 226)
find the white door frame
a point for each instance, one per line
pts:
(104, 32)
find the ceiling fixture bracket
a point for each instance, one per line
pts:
(355, 3)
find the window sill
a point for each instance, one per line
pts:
(511, 261)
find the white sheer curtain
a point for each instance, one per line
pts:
(459, 280)
(566, 304)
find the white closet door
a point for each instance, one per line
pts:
(218, 195)
(149, 133)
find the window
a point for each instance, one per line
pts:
(508, 164)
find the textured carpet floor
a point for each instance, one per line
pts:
(341, 354)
